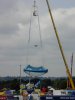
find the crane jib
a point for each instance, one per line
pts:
(60, 46)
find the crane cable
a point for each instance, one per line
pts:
(41, 44)
(60, 46)
(34, 14)
(28, 39)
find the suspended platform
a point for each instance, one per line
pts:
(35, 71)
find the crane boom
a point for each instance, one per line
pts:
(60, 46)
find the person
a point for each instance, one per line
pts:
(30, 97)
(44, 89)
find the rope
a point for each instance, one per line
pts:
(40, 31)
(29, 39)
(35, 14)
(41, 44)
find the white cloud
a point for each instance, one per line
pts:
(14, 30)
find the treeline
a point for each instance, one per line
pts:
(57, 83)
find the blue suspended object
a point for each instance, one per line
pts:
(35, 71)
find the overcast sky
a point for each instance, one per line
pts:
(14, 30)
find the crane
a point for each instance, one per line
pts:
(60, 46)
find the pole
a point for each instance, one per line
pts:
(20, 81)
(20, 74)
